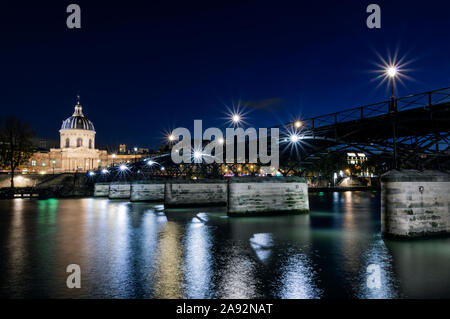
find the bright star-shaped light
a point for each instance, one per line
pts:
(236, 115)
(392, 71)
(198, 155)
(294, 138)
(123, 167)
(171, 137)
(105, 171)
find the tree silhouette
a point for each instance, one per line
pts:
(16, 145)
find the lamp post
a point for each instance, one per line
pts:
(135, 150)
(392, 72)
(53, 164)
(113, 157)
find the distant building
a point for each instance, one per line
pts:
(76, 152)
(356, 158)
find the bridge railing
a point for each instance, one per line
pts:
(423, 99)
(404, 103)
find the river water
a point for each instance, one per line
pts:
(139, 250)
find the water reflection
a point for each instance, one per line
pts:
(238, 275)
(422, 267)
(378, 255)
(262, 244)
(298, 278)
(168, 276)
(140, 250)
(198, 272)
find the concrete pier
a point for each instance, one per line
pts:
(147, 191)
(120, 190)
(267, 196)
(415, 204)
(192, 193)
(101, 189)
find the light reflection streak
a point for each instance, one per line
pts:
(298, 278)
(18, 251)
(198, 265)
(238, 279)
(378, 255)
(168, 276)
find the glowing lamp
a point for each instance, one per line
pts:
(392, 71)
(294, 138)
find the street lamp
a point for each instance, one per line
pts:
(236, 118)
(53, 164)
(198, 156)
(135, 150)
(392, 72)
(113, 157)
(294, 138)
(297, 124)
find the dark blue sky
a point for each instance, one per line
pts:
(145, 67)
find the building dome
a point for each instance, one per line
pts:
(77, 121)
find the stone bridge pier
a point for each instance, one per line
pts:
(415, 204)
(267, 196)
(243, 196)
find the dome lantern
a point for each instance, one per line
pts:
(77, 121)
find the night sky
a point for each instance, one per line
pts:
(146, 67)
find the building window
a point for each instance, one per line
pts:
(79, 142)
(67, 142)
(33, 163)
(90, 143)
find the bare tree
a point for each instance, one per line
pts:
(16, 146)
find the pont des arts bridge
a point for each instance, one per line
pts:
(407, 136)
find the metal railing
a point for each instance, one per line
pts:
(381, 108)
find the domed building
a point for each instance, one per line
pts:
(77, 143)
(77, 152)
(77, 131)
